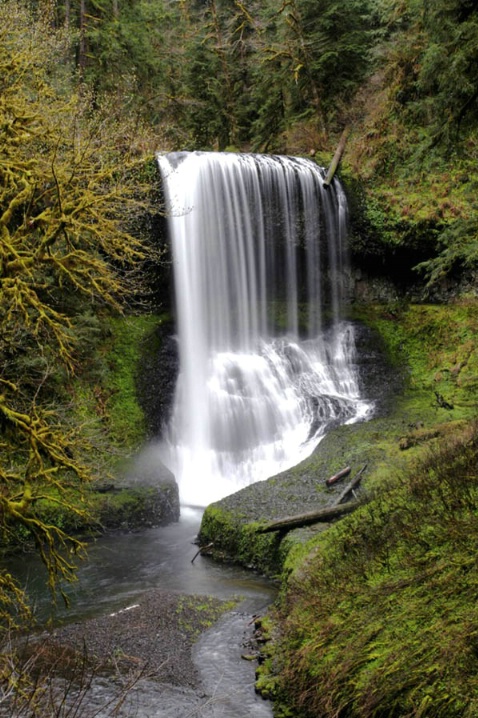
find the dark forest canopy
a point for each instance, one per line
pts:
(243, 73)
(288, 77)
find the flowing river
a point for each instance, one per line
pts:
(119, 570)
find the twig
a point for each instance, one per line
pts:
(201, 549)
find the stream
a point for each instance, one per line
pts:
(119, 569)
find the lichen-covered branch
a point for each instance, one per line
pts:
(66, 200)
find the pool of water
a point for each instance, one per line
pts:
(122, 566)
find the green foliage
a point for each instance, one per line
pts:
(448, 76)
(311, 56)
(459, 249)
(335, 41)
(415, 144)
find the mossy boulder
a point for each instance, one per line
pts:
(137, 507)
(146, 495)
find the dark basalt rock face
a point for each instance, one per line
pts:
(379, 381)
(156, 380)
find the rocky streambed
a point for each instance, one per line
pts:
(167, 655)
(150, 633)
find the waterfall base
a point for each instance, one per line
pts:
(258, 243)
(265, 412)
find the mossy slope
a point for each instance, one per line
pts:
(380, 616)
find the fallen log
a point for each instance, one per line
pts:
(338, 476)
(337, 157)
(351, 486)
(311, 517)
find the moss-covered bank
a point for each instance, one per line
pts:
(126, 491)
(131, 491)
(378, 611)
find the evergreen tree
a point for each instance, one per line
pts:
(313, 56)
(448, 76)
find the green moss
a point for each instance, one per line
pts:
(387, 598)
(198, 613)
(105, 398)
(126, 423)
(435, 346)
(236, 540)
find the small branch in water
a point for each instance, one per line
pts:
(201, 549)
(337, 477)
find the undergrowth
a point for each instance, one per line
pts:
(382, 618)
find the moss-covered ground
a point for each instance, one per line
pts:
(378, 613)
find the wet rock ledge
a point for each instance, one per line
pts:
(229, 527)
(144, 497)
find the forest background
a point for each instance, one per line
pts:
(90, 90)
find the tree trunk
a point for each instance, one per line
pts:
(83, 42)
(67, 13)
(337, 157)
(312, 517)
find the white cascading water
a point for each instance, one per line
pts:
(251, 235)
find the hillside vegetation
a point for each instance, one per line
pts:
(378, 613)
(288, 77)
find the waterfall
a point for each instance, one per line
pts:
(266, 364)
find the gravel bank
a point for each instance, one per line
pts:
(154, 636)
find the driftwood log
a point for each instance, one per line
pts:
(311, 517)
(339, 508)
(351, 486)
(336, 477)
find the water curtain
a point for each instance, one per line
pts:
(266, 363)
